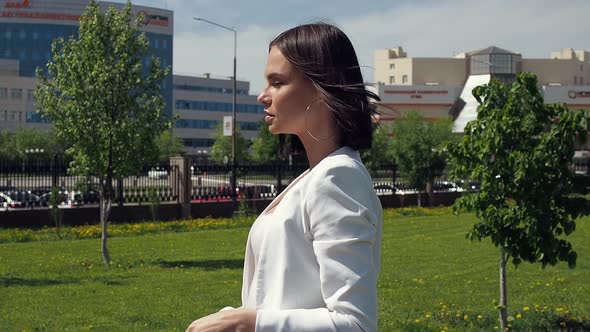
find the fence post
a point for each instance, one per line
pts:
(54, 172)
(180, 181)
(120, 190)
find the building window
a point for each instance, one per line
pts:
(575, 80)
(581, 80)
(35, 35)
(7, 34)
(3, 93)
(30, 95)
(391, 66)
(23, 34)
(391, 79)
(16, 93)
(405, 79)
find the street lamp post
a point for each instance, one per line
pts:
(233, 129)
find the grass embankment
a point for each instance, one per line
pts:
(432, 279)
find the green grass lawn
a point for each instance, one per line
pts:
(432, 279)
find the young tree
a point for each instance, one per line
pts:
(521, 151)
(418, 148)
(265, 147)
(222, 146)
(99, 95)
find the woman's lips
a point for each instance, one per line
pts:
(268, 118)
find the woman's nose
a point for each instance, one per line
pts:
(263, 98)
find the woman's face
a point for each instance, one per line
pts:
(286, 95)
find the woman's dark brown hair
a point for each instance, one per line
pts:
(326, 56)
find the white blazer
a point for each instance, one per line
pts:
(319, 252)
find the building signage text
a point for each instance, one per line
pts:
(152, 19)
(417, 94)
(23, 4)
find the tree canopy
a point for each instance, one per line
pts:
(418, 148)
(380, 154)
(265, 147)
(222, 146)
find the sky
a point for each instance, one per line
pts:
(424, 28)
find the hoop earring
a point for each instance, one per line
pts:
(306, 129)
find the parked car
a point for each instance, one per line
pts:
(46, 198)
(3, 202)
(20, 199)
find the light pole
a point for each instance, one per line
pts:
(233, 127)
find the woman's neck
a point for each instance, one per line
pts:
(318, 150)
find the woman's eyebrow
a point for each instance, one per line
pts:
(273, 75)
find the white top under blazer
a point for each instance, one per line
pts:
(312, 261)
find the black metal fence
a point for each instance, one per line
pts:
(159, 183)
(36, 178)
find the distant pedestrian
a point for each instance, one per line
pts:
(313, 256)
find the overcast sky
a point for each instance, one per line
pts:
(423, 28)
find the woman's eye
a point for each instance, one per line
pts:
(276, 83)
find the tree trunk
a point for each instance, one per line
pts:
(503, 296)
(105, 210)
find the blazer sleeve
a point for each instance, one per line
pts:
(339, 212)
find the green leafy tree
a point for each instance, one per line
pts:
(20, 143)
(418, 148)
(169, 145)
(101, 97)
(222, 146)
(380, 153)
(265, 147)
(520, 150)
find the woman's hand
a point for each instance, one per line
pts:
(236, 320)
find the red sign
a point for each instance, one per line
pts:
(23, 4)
(43, 16)
(424, 92)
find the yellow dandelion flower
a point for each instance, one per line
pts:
(417, 321)
(479, 317)
(518, 316)
(526, 308)
(427, 315)
(466, 317)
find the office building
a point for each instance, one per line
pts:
(440, 87)
(27, 29)
(201, 103)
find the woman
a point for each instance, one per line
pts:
(313, 255)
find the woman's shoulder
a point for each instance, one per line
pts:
(342, 168)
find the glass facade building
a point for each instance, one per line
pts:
(27, 32)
